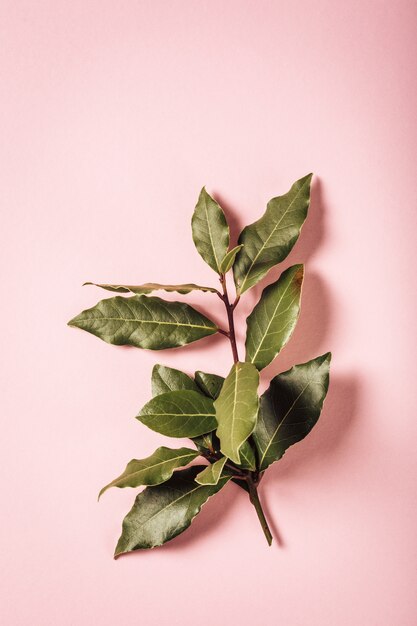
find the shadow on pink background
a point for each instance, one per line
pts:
(114, 115)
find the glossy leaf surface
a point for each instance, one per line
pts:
(210, 231)
(154, 470)
(237, 408)
(149, 287)
(270, 239)
(229, 259)
(211, 474)
(161, 513)
(179, 414)
(272, 321)
(144, 322)
(210, 384)
(170, 379)
(290, 408)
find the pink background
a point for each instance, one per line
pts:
(114, 114)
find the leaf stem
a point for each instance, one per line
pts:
(254, 498)
(229, 310)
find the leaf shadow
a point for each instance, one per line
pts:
(208, 520)
(233, 218)
(323, 444)
(317, 451)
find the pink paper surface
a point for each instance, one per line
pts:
(113, 116)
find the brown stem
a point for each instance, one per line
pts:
(252, 479)
(229, 311)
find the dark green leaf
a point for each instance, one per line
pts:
(179, 414)
(247, 457)
(210, 231)
(163, 512)
(153, 470)
(210, 384)
(149, 287)
(290, 407)
(272, 321)
(237, 408)
(144, 322)
(211, 474)
(242, 484)
(169, 379)
(269, 240)
(207, 442)
(229, 259)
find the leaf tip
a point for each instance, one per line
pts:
(305, 180)
(299, 273)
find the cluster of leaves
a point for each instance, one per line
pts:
(235, 431)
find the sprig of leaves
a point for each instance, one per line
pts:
(238, 434)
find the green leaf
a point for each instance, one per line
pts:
(149, 287)
(272, 321)
(247, 457)
(269, 240)
(237, 408)
(210, 384)
(161, 513)
(208, 441)
(211, 474)
(210, 231)
(169, 379)
(179, 414)
(229, 259)
(144, 322)
(153, 470)
(290, 407)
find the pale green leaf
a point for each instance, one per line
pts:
(144, 322)
(211, 474)
(161, 513)
(269, 240)
(290, 408)
(237, 408)
(154, 470)
(210, 231)
(229, 259)
(149, 287)
(181, 413)
(272, 321)
(169, 379)
(210, 384)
